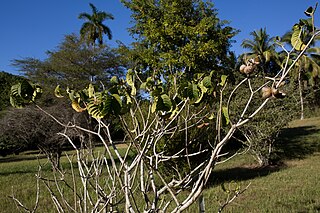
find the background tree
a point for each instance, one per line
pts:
(73, 64)
(261, 47)
(93, 29)
(261, 133)
(29, 128)
(179, 38)
(307, 71)
(179, 35)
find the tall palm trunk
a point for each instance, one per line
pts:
(301, 95)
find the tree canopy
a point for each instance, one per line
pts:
(93, 29)
(176, 35)
(73, 64)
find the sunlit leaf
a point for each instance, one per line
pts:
(130, 81)
(207, 81)
(211, 116)
(296, 41)
(58, 92)
(223, 80)
(154, 104)
(90, 91)
(76, 106)
(226, 114)
(114, 80)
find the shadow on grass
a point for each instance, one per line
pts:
(243, 173)
(21, 158)
(293, 143)
(298, 142)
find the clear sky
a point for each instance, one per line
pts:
(31, 27)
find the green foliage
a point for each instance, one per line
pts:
(262, 48)
(6, 81)
(296, 40)
(178, 35)
(261, 133)
(73, 64)
(24, 93)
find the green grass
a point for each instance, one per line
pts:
(292, 186)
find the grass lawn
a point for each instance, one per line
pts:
(293, 186)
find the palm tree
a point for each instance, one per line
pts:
(308, 67)
(93, 29)
(261, 47)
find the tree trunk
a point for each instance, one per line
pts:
(301, 95)
(202, 208)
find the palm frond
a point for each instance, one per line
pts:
(93, 8)
(85, 16)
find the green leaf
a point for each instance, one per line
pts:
(156, 92)
(117, 98)
(17, 102)
(128, 98)
(114, 80)
(58, 92)
(25, 90)
(36, 92)
(226, 114)
(143, 86)
(203, 91)
(95, 110)
(207, 81)
(191, 91)
(296, 41)
(130, 81)
(90, 91)
(267, 55)
(211, 116)
(72, 95)
(154, 104)
(24, 93)
(114, 105)
(166, 102)
(223, 80)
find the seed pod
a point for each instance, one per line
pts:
(266, 92)
(242, 67)
(279, 94)
(248, 69)
(202, 125)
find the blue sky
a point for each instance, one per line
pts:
(31, 27)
